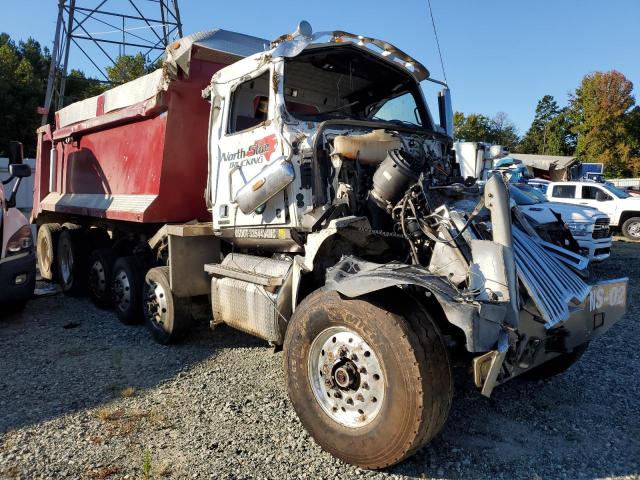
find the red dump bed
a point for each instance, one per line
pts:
(138, 152)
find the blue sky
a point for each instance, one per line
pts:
(499, 55)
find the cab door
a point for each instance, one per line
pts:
(246, 143)
(597, 197)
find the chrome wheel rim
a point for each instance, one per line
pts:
(346, 377)
(97, 279)
(156, 305)
(634, 229)
(121, 291)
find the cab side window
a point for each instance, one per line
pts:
(564, 191)
(249, 104)
(594, 193)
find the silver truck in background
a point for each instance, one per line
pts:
(343, 230)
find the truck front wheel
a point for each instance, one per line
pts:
(369, 385)
(166, 315)
(631, 228)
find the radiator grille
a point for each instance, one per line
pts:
(601, 228)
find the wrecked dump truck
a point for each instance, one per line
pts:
(334, 223)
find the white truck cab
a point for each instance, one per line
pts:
(622, 209)
(17, 253)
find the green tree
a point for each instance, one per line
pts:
(504, 131)
(21, 86)
(480, 128)
(534, 140)
(130, 67)
(550, 132)
(603, 118)
(471, 128)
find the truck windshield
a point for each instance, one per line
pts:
(533, 192)
(523, 198)
(344, 81)
(616, 191)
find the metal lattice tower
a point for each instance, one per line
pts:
(103, 30)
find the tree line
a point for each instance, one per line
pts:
(24, 70)
(600, 123)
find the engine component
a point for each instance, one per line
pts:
(394, 176)
(271, 180)
(369, 149)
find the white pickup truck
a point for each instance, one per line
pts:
(622, 209)
(589, 227)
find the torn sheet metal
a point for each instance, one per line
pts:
(481, 324)
(221, 46)
(553, 286)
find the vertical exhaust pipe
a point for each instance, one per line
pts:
(496, 198)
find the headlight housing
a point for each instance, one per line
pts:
(20, 242)
(578, 229)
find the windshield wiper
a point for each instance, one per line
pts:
(397, 121)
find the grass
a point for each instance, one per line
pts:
(146, 464)
(127, 392)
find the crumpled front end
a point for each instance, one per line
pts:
(517, 300)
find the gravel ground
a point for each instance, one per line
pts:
(83, 396)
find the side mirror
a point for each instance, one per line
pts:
(445, 109)
(19, 170)
(16, 154)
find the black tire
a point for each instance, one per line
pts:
(71, 262)
(101, 263)
(167, 317)
(556, 365)
(46, 247)
(126, 287)
(414, 370)
(631, 228)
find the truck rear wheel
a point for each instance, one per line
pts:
(71, 262)
(167, 316)
(126, 288)
(46, 243)
(370, 386)
(100, 268)
(631, 228)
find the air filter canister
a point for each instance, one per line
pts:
(394, 175)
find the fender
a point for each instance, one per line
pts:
(481, 323)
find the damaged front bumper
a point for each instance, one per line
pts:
(534, 342)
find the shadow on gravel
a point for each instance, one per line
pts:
(62, 354)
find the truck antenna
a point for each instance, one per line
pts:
(435, 32)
